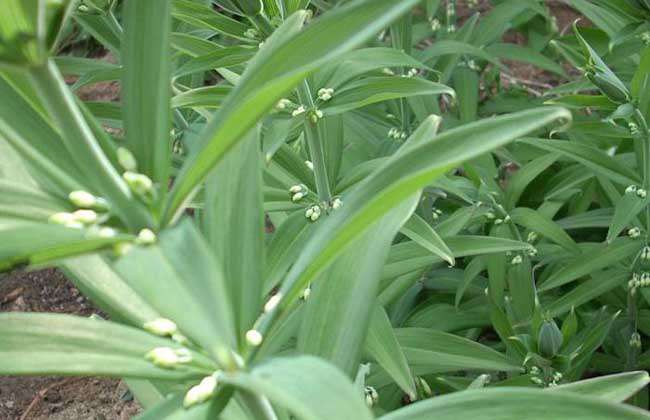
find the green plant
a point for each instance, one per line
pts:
(311, 232)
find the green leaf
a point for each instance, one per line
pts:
(515, 404)
(234, 227)
(382, 345)
(297, 383)
(436, 351)
(546, 227)
(49, 344)
(286, 58)
(421, 232)
(377, 89)
(589, 262)
(525, 175)
(181, 280)
(626, 210)
(615, 388)
(146, 85)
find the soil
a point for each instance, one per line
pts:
(55, 398)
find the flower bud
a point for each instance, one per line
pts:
(634, 232)
(298, 111)
(146, 237)
(325, 94)
(283, 104)
(306, 293)
(82, 199)
(371, 395)
(62, 218)
(298, 196)
(516, 260)
(549, 339)
(86, 217)
(254, 338)
(122, 248)
(164, 357)
(126, 159)
(296, 189)
(641, 193)
(631, 189)
(202, 392)
(139, 183)
(337, 203)
(106, 232)
(309, 164)
(610, 85)
(161, 326)
(273, 302)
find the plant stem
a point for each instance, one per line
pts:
(315, 145)
(259, 406)
(78, 138)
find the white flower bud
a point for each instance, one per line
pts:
(309, 164)
(498, 221)
(164, 357)
(161, 326)
(306, 293)
(62, 218)
(532, 237)
(139, 183)
(146, 237)
(298, 196)
(641, 193)
(631, 189)
(86, 217)
(516, 260)
(388, 71)
(82, 199)
(254, 338)
(273, 302)
(202, 392)
(126, 159)
(283, 104)
(337, 203)
(372, 397)
(298, 111)
(635, 232)
(296, 189)
(325, 94)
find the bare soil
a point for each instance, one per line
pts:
(55, 398)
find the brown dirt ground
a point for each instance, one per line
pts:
(55, 398)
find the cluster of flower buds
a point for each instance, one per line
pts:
(645, 37)
(298, 192)
(634, 129)
(633, 189)
(77, 219)
(635, 340)
(532, 237)
(411, 73)
(538, 378)
(283, 104)
(336, 203)
(435, 25)
(371, 395)
(532, 251)
(202, 392)
(397, 134)
(298, 111)
(138, 183)
(639, 281)
(634, 232)
(502, 221)
(516, 260)
(325, 94)
(168, 358)
(313, 213)
(436, 213)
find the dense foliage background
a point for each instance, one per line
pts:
(334, 209)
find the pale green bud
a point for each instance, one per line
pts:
(309, 164)
(122, 248)
(273, 302)
(337, 203)
(139, 183)
(146, 237)
(82, 199)
(164, 357)
(634, 232)
(298, 111)
(372, 397)
(86, 217)
(126, 159)
(254, 338)
(202, 392)
(162, 327)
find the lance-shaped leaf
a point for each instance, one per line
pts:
(306, 386)
(537, 222)
(49, 344)
(417, 229)
(515, 404)
(615, 388)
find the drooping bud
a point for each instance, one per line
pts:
(306, 293)
(162, 327)
(298, 111)
(532, 237)
(641, 193)
(283, 104)
(202, 392)
(139, 183)
(325, 94)
(65, 219)
(298, 196)
(164, 357)
(517, 259)
(309, 164)
(337, 203)
(634, 232)
(631, 189)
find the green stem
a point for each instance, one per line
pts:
(78, 138)
(315, 145)
(632, 313)
(258, 406)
